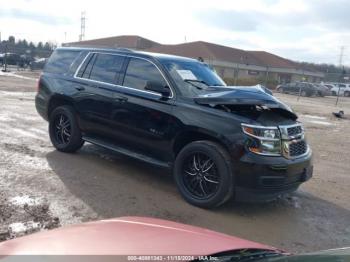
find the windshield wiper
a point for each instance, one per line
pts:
(192, 81)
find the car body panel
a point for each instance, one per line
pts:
(127, 236)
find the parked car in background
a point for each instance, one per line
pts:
(304, 88)
(38, 63)
(149, 239)
(329, 85)
(322, 90)
(338, 89)
(10, 58)
(347, 90)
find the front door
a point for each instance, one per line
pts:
(143, 116)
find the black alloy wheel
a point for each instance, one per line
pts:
(62, 127)
(64, 131)
(203, 174)
(200, 175)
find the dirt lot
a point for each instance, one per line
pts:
(43, 188)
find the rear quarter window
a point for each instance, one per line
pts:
(60, 61)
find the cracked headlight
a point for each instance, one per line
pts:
(265, 140)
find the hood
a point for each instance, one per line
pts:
(127, 236)
(243, 96)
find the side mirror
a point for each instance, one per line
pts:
(158, 88)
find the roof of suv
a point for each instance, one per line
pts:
(127, 51)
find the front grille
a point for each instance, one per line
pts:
(294, 130)
(297, 148)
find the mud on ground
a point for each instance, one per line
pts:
(95, 183)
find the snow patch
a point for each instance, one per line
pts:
(11, 74)
(24, 200)
(17, 228)
(324, 123)
(315, 117)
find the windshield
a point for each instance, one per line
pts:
(192, 77)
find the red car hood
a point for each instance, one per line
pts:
(127, 236)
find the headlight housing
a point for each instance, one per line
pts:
(264, 140)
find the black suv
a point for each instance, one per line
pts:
(175, 112)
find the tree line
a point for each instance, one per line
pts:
(24, 47)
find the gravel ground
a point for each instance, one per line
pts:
(42, 188)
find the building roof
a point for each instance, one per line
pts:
(125, 41)
(272, 60)
(205, 50)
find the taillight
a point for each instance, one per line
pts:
(38, 84)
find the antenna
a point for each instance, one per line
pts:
(82, 26)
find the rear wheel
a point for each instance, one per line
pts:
(64, 131)
(347, 93)
(203, 174)
(303, 93)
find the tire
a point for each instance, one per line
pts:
(282, 90)
(64, 131)
(334, 93)
(220, 172)
(303, 93)
(347, 93)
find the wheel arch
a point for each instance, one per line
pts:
(58, 100)
(192, 135)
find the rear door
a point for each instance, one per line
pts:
(99, 76)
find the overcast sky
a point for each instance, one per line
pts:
(304, 30)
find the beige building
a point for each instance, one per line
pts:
(234, 65)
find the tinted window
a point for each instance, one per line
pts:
(139, 72)
(106, 67)
(60, 61)
(85, 69)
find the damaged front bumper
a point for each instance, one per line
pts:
(263, 178)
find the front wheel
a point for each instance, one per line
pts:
(347, 93)
(203, 174)
(64, 131)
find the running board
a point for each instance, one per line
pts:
(126, 152)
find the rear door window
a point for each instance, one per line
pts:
(106, 68)
(60, 61)
(140, 71)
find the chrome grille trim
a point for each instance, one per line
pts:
(293, 136)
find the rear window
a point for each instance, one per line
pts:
(60, 61)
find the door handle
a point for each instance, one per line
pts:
(120, 98)
(80, 88)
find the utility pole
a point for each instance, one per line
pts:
(82, 26)
(341, 56)
(5, 58)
